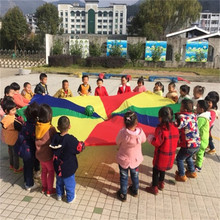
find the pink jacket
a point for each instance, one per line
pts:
(140, 89)
(20, 101)
(130, 152)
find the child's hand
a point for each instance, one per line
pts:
(43, 93)
(150, 138)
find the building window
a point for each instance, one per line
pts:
(110, 27)
(99, 32)
(78, 32)
(72, 32)
(99, 20)
(72, 26)
(77, 13)
(105, 26)
(78, 20)
(72, 13)
(66, 25)
(61, 14)
(66, 19)
(104, 32)
(116, 20)
(110, 32)
(121, 20)
(83, 32)
(121, 14)
(105, 21)
(105, 13)
(100, 14)
(72, 20)
(116, 14)
(116, 26)
(110, 14)
(83, 20)
(120, 31)
(83, 26)
(120, 26)
(83, 13)
(66, 13)
(110, 21)
(99, 26)
(66, 31)
(77, 26)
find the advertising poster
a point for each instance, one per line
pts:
(151, 46)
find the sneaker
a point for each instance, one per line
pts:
(213, 151)
(59, 198)
(122, 197)
(132, 191)
(44, 190)
(37, 175)
(152, 190)
(161, 185)
(180, 178)
(72, 200)
(190, 174)
(50, 193)
(20, 170)
(198, 169)
(29, 188)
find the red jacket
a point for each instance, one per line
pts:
(121, 89)
(165, 142)
(101, 91)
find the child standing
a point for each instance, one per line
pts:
(65, 147)
(124, 87)
(129, 156)
(100, 89)
(203, 125)
(19, 100)
(41, 88)
(165, 141)
(64, 92)
(159, 88)
(184, 93)
(140, 86)
(198, 92)
(212, 98)
(172, 94)
(10, 128)
(189, 140)
(84, 89)
(44, 133)
(26, 92)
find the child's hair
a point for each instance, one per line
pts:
(7, 90)
(172, 84)
(160, 85)
(15, 86)
(214, 95)
(130, 119)
(199, 89)
(7, 105)
(99, 79)
(26, 84)
(45, 113)
(141, 80)
(63, 123)
(31, 112)
(64, 81)
(42, 76)
(187, 105)
(203, 104)
(84, 76)
(166, 115)
(125, 77)
(212, 99)
(185, 89)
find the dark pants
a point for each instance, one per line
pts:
(124, 179)
(211, 144)
(158, 175)
(36, 164)
(28, 172)
(13, 157)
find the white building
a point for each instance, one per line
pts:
(92, 19)
(32, 22)
(210, 21)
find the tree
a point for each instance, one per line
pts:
(156, 53)
(115, 50)
(47, 19)
(135, 52)
(14, 26)
(156, 18)
(57, 47)
(76, 49)
(95, 50)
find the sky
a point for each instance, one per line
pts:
(107, 2)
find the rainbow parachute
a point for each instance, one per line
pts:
(103, 126)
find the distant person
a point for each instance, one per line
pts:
(41, 88)
(158, 88)
(65, 147)
(172, 94)
(125, 86)
(84, 89)
(26, 92)
(140, 86)
(198, 92)
(100, 89)
(184, 93)
(65, 91)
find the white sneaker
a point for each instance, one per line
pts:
(59, 198)
(72, 200)
(29, 188)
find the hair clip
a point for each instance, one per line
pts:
(128, 118)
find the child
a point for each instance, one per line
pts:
(203, 124)
(184, 93)
(124, 87)
(189, 140)
(140, 86)
(28, 133)
(129, 156)
(41, 88)
(19, 100)
(159, 88)
(172, 94)
(198, 92)
(84, 88)
(100, 89)
(44, 133)
(10, 128)
(26, 92)
(65, 147)
(212, 98)
(64, 92)
(9, 91)
(165, 141)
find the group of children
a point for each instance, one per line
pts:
(56, 151)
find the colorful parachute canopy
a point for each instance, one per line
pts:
(103, 126)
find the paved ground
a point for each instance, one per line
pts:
(98, 179)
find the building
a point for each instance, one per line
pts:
(210, 21)
(92, 19)
(32, 22)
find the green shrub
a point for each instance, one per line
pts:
(57, 47)
(76, 49)
(156, 53)
(95, 50)
(135, 52)
(115, 50)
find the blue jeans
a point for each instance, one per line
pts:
(69, 184)
(124, 179)
(185, 154)
(211, 144)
